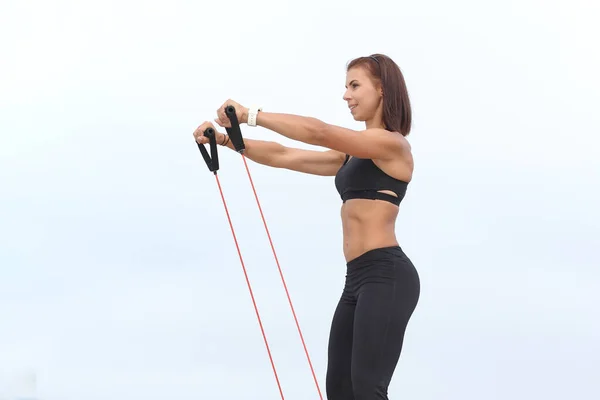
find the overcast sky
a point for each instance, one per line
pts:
(119, 278)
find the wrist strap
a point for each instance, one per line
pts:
(252, 114)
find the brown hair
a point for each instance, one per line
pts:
(397, 115)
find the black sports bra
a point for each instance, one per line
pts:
(360, 178)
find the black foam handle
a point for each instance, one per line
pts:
(214, 155)
(212, 160)
(235, 134)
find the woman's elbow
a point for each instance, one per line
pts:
(320, 134)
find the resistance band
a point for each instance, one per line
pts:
(212, 161)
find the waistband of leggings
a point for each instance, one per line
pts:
(375, 254)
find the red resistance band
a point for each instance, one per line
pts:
(212, 161)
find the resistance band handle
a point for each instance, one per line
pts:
(212, 160)
(235, 134)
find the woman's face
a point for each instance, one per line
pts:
(364, 97)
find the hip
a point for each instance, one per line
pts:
(386, 262)
(384, 270)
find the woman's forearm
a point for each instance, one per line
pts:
(261, 151)
(303, 129)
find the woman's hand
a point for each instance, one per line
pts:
(199, 134)
(240, 111)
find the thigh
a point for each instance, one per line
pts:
(338, 379)
(382, 314)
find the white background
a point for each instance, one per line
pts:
(119, 278)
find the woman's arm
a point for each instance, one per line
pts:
(369, 143)
(272, 154)
(325, 163)
(295, 127)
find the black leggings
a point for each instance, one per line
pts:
(381, 292)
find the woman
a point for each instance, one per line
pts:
(372, 169)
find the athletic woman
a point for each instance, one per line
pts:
(372, 170)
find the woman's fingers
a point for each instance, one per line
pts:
(222, 118)
(199, 132)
